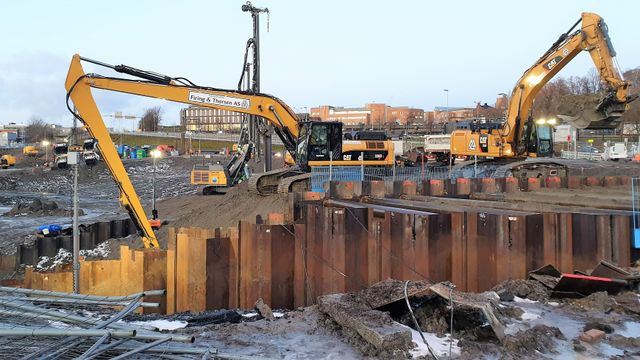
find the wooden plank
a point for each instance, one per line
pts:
(154, 276)
(234, 267)
(171, 271)
(183, 299)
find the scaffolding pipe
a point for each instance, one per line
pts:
(84, 302)
(106, 348)
(81, 296)
(142, 348)
(55, 332)
(174, 350)
(94, 347)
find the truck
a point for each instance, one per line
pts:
(615, 151)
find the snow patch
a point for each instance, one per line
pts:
(47, 263)
(529, 316)
(101, 250)
(161, 324)
(553, 303)
(439, 345)
(278, 314)
(521, 300)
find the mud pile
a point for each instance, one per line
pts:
(38, 208)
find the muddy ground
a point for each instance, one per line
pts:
(546, 328)
(178, 204)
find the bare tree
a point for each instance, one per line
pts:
(632, 116)
(151, 119)
(37, 130)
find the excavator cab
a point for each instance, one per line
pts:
(318, 141)
(540, 142)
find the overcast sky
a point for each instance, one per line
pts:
(343, 53)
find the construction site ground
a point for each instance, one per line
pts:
(179, 205)
(536, 326)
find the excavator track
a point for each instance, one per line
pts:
(294, 183)
(541, 167)
(277, 181)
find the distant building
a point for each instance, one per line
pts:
(205, 119)
(370, 115)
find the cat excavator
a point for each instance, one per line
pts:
(310, 143)
(520, 137)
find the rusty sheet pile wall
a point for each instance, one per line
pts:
(348, 247)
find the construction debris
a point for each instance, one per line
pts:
(264, 310)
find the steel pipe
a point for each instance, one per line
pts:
(8, 289)
(142, 348)
(55, 332)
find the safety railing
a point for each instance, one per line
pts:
(320, 175)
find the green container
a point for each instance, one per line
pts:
(141, 154)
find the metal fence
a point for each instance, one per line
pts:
(635, 202)
(320, 175)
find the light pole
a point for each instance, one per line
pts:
(155, 154)
(46, 144)
(447, 92)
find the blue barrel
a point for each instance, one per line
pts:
(134, 154)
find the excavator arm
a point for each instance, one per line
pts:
(79, 84)
(592, 37)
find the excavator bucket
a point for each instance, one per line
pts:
(590, 112)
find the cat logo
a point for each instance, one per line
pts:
(472, 144)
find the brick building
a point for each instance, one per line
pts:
(198, 118)
(369, 115)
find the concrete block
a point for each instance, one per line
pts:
(533, 184)
(488, 185)
(574, 182)
(592, 336)
(624, 180)
(346, 190)
(610, 181)
(377, 188)
(511, 185)
(409, 187)
(373, 326)
(436, 187)
(463, 187)
(553, 182)
(593, 181)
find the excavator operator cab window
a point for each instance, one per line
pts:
(319, 140)
(545, 141)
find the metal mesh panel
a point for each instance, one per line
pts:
(320, 175)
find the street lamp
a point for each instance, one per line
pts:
(46, 144)
(155, 154)
(447, 91)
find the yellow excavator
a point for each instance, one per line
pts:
(520, 136)
(311, 143)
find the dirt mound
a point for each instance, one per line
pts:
(539, 338)
(221, 210)
(573, 105)
(526, 289)
(39, 208)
